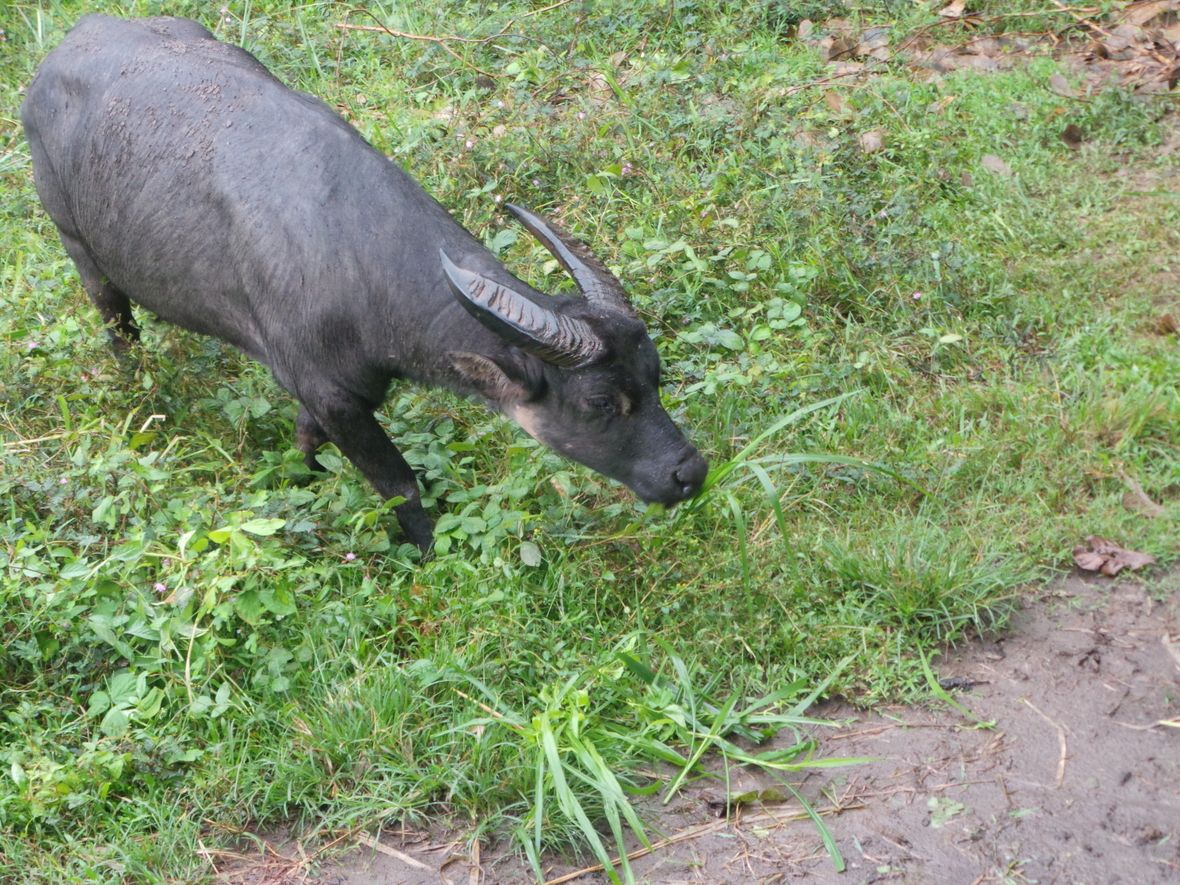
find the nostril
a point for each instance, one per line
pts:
(691, 473)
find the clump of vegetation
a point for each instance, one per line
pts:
(921, 376)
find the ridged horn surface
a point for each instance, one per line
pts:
(594, 280)
(563, 341)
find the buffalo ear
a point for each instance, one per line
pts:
(488, 377)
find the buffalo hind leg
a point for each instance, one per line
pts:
(112, 303)
(350, 424)
(309, 436)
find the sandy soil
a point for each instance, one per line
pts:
(1076, 783)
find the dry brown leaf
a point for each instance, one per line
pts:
(1110, 567)
(1134, 33)
(599, 88)
(1142, 504)
(1138, 500)
(1117, 48)
(836, 103)
(972, 63)
(873, 38)
(840, 48)
(1108, 558)
(1170, 34)
(1073, 137)
(937, 107)
(992, 163)
(1169, 324)
(847, 68)
(1142, 13)
(872, 141)
(1088, 559)
(954, 9)
(988, 46)
(1061, 86)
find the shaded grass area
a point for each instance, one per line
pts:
(194, 642)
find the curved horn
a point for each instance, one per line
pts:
(594, 280)
(563, 341)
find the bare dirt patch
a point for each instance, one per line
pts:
(1077, 781)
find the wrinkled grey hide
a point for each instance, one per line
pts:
(186, 178)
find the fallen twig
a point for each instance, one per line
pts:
(822, 81)
(441, 41)
(879, 729)
(473, 873)
(370, 842)
(1060, 740)
(684, 836)
(494, 713)
(547, 8)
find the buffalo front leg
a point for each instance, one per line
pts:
(112, 303)
(350, 424)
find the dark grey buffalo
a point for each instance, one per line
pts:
(183, 176)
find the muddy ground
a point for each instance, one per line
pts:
(1076, 783)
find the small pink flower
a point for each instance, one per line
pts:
(349, 557)
(581, 116)
(917, 296)
(470, 145)
(224, 10)
(497, 198)
(62, 481)
(160, 588)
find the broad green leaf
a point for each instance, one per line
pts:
(115, 723)
(530, 554)
(730, 339)
(262, 526)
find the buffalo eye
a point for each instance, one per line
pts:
(605, 404)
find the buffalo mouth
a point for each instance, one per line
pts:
(684, 481)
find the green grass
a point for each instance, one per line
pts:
(194, 642)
